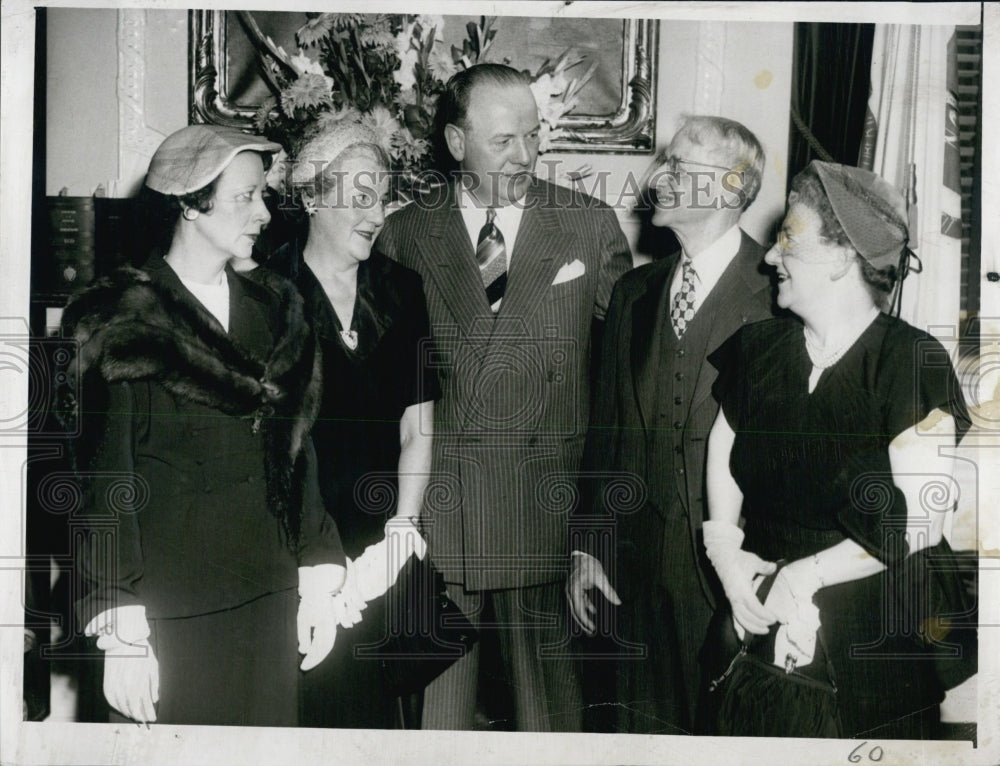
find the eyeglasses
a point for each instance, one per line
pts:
(673, 163)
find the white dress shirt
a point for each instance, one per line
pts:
(708, 266)
(508, 220)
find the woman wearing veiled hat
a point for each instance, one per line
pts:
(205, 553)
(827, 444)
(374, 428)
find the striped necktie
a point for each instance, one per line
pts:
(491, 254)
(683, 308)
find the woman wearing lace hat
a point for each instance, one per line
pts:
(374, 428)
(827, 445)
(206, 555)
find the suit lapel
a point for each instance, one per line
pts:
(727, 304)
(248, 325)
(450, 259)
(644, 349)
(533, 265)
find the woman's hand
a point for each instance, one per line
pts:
(738, 571)
(317, 618)
(132, 680)
(791, 601)
(131, 672)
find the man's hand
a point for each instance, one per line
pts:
(587, 573)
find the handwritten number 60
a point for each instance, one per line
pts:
(875, 754)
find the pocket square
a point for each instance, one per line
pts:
(570, 271)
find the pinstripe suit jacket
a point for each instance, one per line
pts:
(511, 422)
(625, 406)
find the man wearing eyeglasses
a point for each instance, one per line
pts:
(653, 412)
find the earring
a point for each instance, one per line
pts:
(189, 214)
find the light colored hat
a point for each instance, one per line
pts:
(332, 135)
(855, 196)
(193, 157)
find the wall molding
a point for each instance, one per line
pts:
(710, 78)
(136, 139)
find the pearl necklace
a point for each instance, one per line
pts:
(823, 357)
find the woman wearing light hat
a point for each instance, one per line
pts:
(205, 553)
(374, 428)
(827, 444)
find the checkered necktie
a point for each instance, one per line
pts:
(682, 310)
(491, 253)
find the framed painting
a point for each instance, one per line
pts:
(615, 111)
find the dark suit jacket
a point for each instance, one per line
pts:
(618, 441)
(510, 425)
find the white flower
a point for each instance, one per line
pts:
(441, 64)
(383, 125)
(428, 22)
(406, 75)
(303, 64)
(275, 177)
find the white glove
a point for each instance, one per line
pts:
(349, 603)
(738, 571)
(131, 672)
(378, 567)
(316, 619)
(791, 601)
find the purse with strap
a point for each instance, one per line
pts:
(756, 698)
(426, 632)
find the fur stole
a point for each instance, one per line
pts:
(129, 327)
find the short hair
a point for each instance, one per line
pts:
(453, 104)
(740, 146)
(807, 189)
(160, 213)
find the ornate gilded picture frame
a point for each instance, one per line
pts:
(226, 89)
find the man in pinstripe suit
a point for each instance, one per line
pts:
(515, 271)
(653, 411)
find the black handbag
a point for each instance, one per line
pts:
(426, 632)
(756, 698)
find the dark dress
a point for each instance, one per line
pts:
(814, 469)
(182, 471)
(356, 434)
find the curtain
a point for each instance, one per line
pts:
(831, 77)
(911, 140)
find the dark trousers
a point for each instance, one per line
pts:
(532, 628)
(665, 610)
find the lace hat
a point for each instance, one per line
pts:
(328, 139)
(192, 157)
(858, 197)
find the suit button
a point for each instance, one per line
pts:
(199, 461)
(678, 425)
(208, 489)
(679, 449)
(680, 352)
(679, 375)
(680, 471)
(678, 401)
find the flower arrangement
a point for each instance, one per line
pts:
(391, 68)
